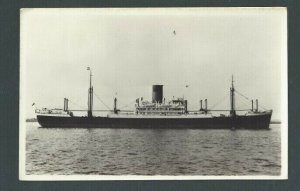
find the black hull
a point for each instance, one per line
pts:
(260, 121)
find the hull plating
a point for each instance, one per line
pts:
(261, 121)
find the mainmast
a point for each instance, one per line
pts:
(232, 100)
(90, 96)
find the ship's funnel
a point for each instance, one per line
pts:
(157, 93)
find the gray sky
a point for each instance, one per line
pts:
(131, 49)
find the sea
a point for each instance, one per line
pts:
(107, 151)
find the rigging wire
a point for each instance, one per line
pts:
(240, 103)
(76, 104)
(243, 95)
(101, 101)
(220, 101)
(128, 104)
(248, 99)
(262, 107)
(240, 94)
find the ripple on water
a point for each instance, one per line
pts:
(152, 152)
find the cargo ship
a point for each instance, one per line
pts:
(157, 113)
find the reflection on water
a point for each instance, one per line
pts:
(152, 152)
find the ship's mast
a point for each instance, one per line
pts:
(232, 100)
(90, 96)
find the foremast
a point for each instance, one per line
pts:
(90, 96)
(232, 99)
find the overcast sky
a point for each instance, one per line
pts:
(128, 50)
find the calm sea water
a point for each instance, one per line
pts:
(152, 152)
